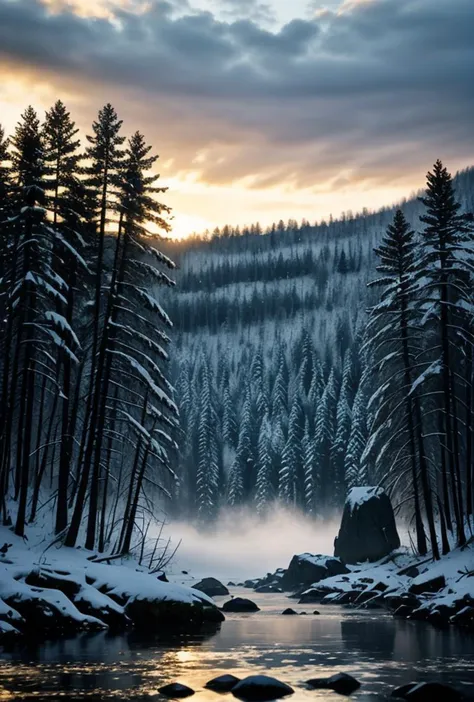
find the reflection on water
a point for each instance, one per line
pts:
(382, 652)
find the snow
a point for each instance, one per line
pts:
(318, 560)
(457, 568)
(123, 579)
(358, 495)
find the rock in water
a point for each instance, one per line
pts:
(288, 610)
(260, 688)
(341, 683)
(224, 683)
(176, 691)
(368, 531)
(211, 587)
(428, 692)
(307, 569)
(240, 604)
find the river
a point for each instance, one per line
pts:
(380, 651)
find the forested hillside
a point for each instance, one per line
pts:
(273, 372)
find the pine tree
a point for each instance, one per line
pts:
(291, 480)
(395, 349)
(441, 272)
(264, 484)
(207, 482)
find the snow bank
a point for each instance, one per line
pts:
(440, 592)
(51, 591)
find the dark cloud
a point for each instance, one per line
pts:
(383, 87)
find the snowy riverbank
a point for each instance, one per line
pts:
(439, 592)
(59, 591)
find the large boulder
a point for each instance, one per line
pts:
(211, 587)
(261, 688)
(306, 569)
(240, 604)
(368, 531)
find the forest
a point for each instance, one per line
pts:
(86, 410)
(330, 356)
(306, 358)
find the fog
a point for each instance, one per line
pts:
(241, 546)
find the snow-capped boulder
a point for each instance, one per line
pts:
(240, 604)
(307, 569)
(368, 531)
(259, 688)
(211, 587)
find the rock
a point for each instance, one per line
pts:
(430, 585)
(167, 616)
(53, 581)
(176, 691)
(305, 570)
(428, 692)
(316, 612)
(312, 596)
(404, 611)
(93, 603)
(250, 584)
(288, 610)
(368, 531)
(224, 683)
(211, 587)
(464, 618)
(341, 683)
(231, 584)
(268, 589)
(259, 688)
(240, 604)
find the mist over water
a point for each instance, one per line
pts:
(239, 545)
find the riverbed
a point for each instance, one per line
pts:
(380, 651)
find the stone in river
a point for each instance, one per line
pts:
(240, 604)
(342, 683)
(261, 688)
(211, 587)
(223, 683)
(176, 691)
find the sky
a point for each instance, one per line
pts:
(259, 109)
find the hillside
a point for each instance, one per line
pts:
(268, 330)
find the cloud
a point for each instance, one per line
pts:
(378, 88)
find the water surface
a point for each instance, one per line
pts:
(380, 651)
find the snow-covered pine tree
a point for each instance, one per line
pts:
(37, 331)
(310, 469)
(264, 488)
(355, 473)
(66, 198)
(442, 271)
(325, 429)
(207, 480)
(394, 340)
(291, 479)
(343, 428)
